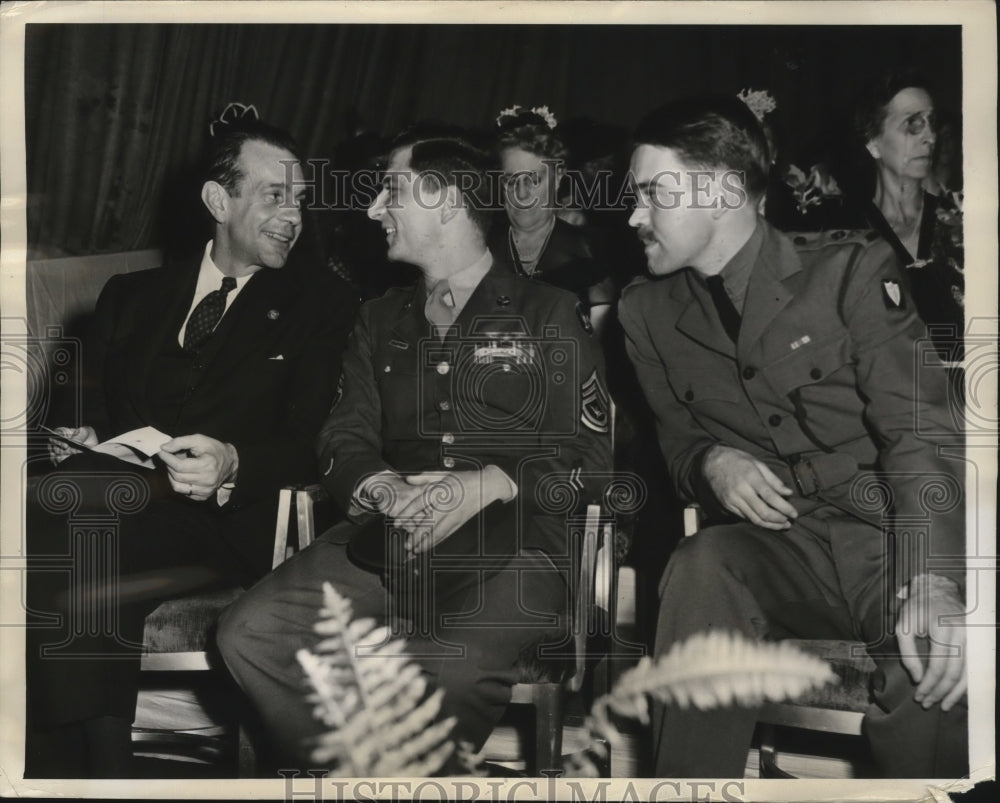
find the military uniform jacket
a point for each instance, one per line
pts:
(832, 366)
(517, 383)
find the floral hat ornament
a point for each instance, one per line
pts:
(517, 110)
(234, 114)
(759, 101)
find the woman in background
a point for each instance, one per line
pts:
(896, 123)
(535, 242)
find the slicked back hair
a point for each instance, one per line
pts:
(441, 155)
(711, 132)
(227, 144)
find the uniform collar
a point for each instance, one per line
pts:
(736, 272)
(464, 282)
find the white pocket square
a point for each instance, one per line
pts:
(277, 357)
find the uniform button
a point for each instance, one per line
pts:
(800, 240)
(774, 420)
(444, 406)
(689, 396)
(387, 369)
(449, 439)
(815, 373)
(443, 367)
(448, 462)
(749, 373)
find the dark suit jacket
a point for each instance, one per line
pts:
(263, 382)
(825, 360)
(517, 383)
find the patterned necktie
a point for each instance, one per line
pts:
(206, 316)
(440, 307)
(724, 306)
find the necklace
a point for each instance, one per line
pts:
(526, 264)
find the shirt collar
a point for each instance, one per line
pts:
(464, 282)
(210, 277)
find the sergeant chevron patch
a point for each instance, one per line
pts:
(594, 408)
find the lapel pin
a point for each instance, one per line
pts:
(800, 342)
(503, 301)
(273, 314)
(892, 294)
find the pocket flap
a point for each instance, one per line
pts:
(808, 365)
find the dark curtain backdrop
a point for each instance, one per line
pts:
(116, 115)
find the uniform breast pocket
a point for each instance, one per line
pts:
(400, 394)
(809, 365)
(695, 386)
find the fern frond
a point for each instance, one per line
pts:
(374, 697)
(708, 670)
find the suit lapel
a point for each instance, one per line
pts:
(771, 287)
(258, 313)
(160, 311)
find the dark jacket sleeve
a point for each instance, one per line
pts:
(911, 410)
(349, 447)
(577, 423)
(683, 442)
(94, 404)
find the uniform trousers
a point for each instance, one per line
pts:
(823, 578)
(107, 542)
(468, 637)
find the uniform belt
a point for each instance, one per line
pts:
(822, 471)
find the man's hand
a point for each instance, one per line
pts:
(387, 492)
(748, 488)
(446, 501)
(59, 451)
(932, 599)
(198, 465)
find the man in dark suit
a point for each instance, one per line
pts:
(475, 388)
(787, 403)
(236, 355)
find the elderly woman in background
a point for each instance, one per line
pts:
(535, 242)
(896, 123)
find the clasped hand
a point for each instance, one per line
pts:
(748, 488)
(433, 505)
(197, 465)
(934, 610)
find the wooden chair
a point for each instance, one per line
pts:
(178, 636)
(836, 709)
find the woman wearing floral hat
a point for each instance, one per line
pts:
(535, 242)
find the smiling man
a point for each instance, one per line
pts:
(463, 398)
(783, 385)
(236, 354)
